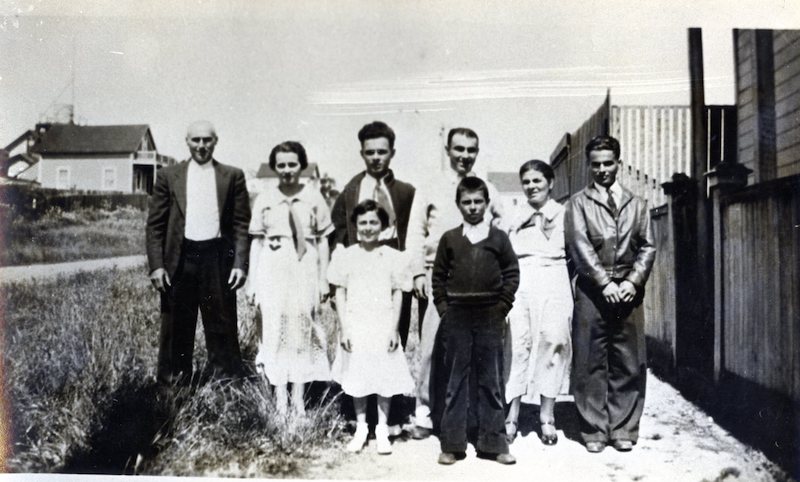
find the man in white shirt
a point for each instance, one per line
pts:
(197, 251)
(434, 212)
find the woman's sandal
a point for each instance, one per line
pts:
(511, 431)
(549, 438)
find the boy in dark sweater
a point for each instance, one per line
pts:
(475, 276)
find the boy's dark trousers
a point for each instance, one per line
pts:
(609, 365)
(472, 341)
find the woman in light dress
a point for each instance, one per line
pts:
(540, 320)
(289, 261)
(369, 280)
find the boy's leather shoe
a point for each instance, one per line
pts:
(505, 459)
(623, 445)
(447, 458)
(420, 433)
(595, 447)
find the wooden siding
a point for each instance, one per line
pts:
(761, 285)
(744, 50)
(655, 143)
(659, 299)
(786, 45)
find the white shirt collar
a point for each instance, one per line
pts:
(476, 232)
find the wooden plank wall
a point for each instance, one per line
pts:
(786, 45)
(747, 122)
(573, 167)
(656, 143)
(659, 300)
(761, 285)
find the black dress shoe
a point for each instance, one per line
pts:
(595, 447)
(505, 459)
(623, 445)
(447, 458)
(420, 433)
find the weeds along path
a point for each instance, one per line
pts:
(10, 274)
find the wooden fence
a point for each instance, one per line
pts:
(760, 320)
(32, 202)
(659, 307)
(655, 144)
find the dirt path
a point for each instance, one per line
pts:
(678, 442)
(43, 271)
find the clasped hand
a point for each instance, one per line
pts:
(618, 293)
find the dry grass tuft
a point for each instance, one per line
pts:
(69, 344)
(232, 428)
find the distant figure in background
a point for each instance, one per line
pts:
(326, 188)
(197, 248)
(611, 243)
(289, 256)
(540, 321)
(370, 279)
(433, 213)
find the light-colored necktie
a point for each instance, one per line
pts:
(296, 226)
(379, 195)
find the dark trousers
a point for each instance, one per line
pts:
(609, 365)
(200, 282)
(472, 344)
(404, 325)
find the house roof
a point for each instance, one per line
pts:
(505, 182)
(75, 139)
(266, 172)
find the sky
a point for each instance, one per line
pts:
(520, 73)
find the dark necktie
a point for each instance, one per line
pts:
(611, 203)
(379, 195)
(296, 226)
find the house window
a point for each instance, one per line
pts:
(109, 178)
(62, 178)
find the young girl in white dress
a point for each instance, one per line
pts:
(369, 280)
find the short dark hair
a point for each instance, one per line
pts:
(464, 131)
(539, 166)
(603, 143)
(289, 146)
(375, 130)
(366, 206)
(472, 184)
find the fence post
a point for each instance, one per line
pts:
(725, 178)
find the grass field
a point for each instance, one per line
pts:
(79, 355)
(67, 236)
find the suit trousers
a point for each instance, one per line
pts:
(200, 282)
(609, 365)
(472, 339)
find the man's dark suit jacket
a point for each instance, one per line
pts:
(167, 217)
(402, 194)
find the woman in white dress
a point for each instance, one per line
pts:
(369, 280)
(289, 261)
(540, 320)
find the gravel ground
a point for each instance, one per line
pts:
(41, 271)
(678, 442)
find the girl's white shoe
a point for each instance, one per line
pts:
(382, 439)
(359, 438)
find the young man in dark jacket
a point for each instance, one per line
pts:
(611, 244)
